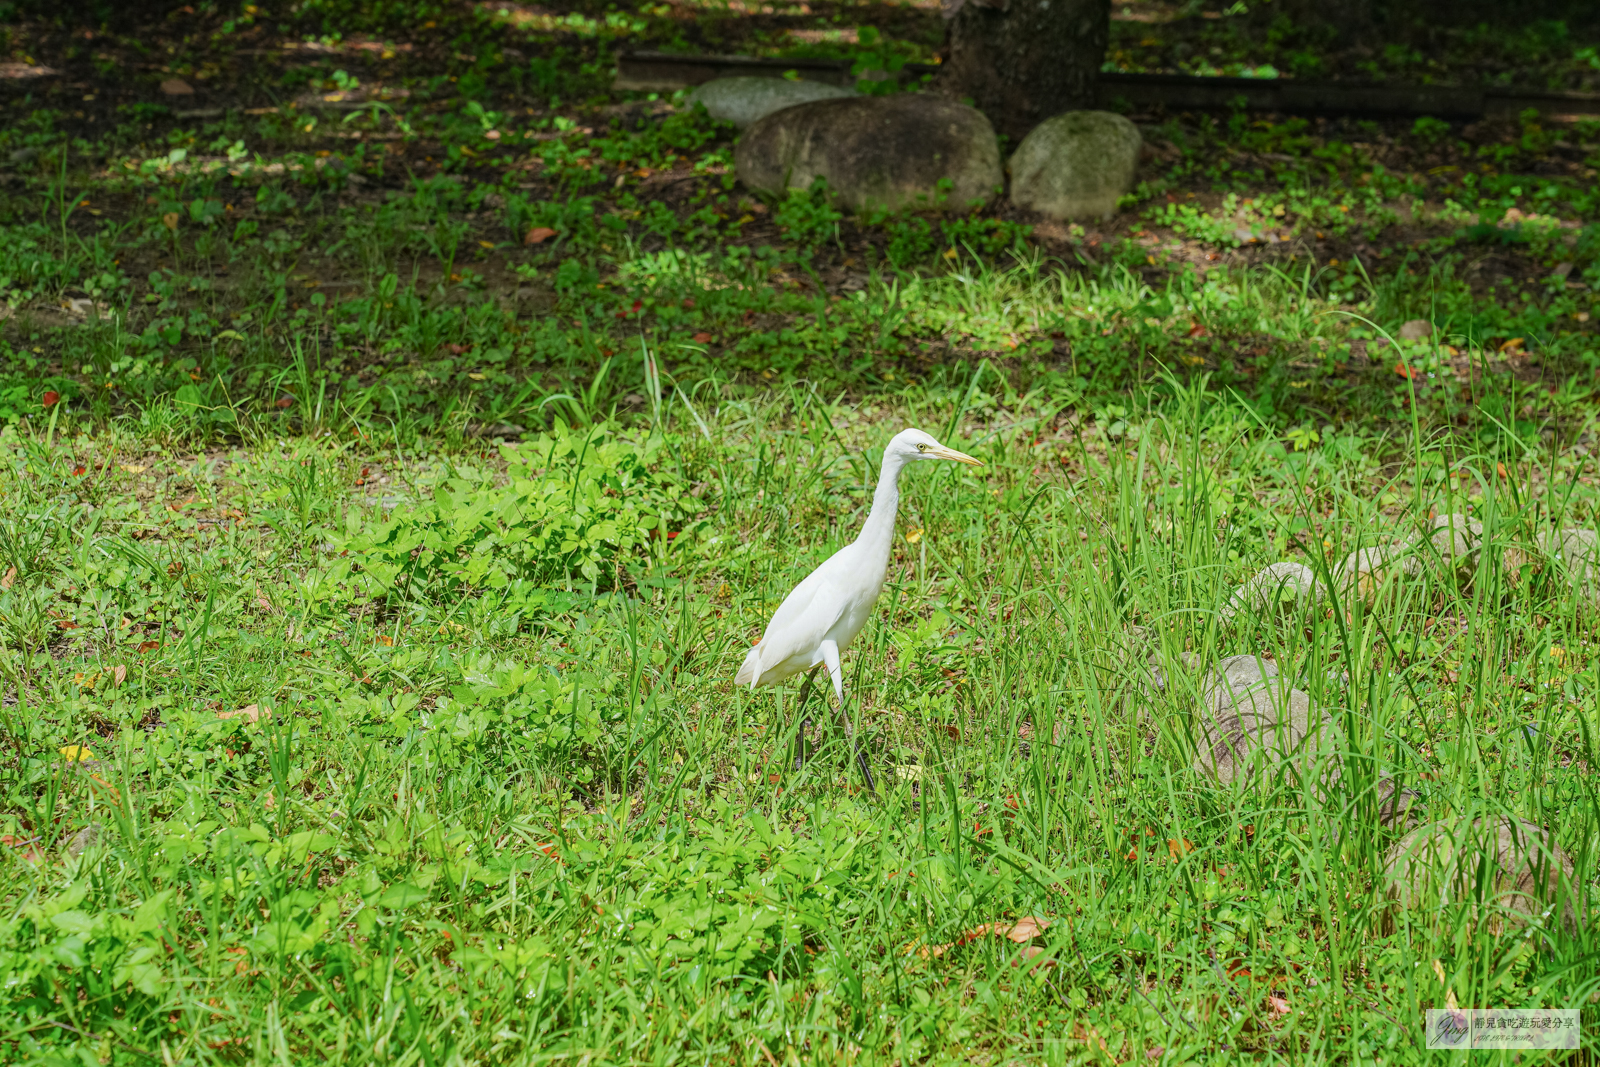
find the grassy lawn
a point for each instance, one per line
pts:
(376, 772)
(405, 438)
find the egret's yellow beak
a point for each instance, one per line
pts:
(949, 453)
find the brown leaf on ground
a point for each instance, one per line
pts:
(26, 847)
(1021, 931)
(149, 646)
(119, 673)
(538, 235)
(176, 87)
(250, 713)
(8, 579)
(1276, 1005)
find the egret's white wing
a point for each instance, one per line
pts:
(801, 622)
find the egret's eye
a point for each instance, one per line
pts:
(922, 448)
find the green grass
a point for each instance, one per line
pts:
(518, 813)
(391, 493)
(346, 229)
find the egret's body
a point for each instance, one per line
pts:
(823, 614)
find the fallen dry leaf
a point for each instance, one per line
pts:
(77, 753)
(702, 338)
(1020, 931)
(384, 639)
(1276, 1005)
(133, 468)
(176, 87)
(25, 846)
(8, 579)
(51, 398)
(149, 646)
(250, 713)
(1032, 952)
(1176, 847)
(538, 235)
(170, 221)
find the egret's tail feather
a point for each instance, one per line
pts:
(750, 671)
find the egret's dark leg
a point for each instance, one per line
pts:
(830, 656)
(805, 722)
(855, 747)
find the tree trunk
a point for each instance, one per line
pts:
(1022, 61)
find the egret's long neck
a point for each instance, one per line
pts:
(877, 533)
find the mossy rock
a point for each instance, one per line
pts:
(746, 101)
(888, 152)
(1076, 165)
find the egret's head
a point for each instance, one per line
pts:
(914, 444)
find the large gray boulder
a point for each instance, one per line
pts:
(1076, 165)
(875, 151)
(1510, 868)
(745, 101)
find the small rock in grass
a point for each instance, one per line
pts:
(745, 101)
(1578, 552)
(1526, 876)
(1415, 330)
(85, 839)
(875, 152)
(1367, 571)
(1251, 720)
(1076, 165)
(1285, 584)
(1457, 538)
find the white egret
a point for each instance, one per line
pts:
(823, 614)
